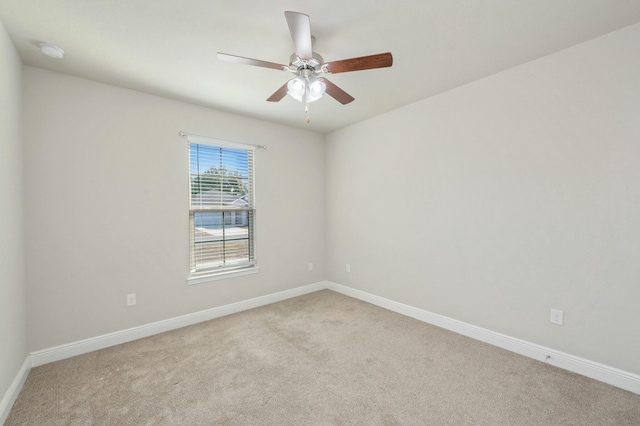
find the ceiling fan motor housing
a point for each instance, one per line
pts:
(313, 63)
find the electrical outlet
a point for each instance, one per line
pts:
(310, 266)
(348, 268)
(557, 317)
(131, 299)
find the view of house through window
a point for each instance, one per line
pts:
(221, 213)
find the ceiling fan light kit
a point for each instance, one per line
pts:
(307, 65)
(305, 88)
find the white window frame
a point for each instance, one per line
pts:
(197, 277)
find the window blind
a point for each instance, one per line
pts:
(222, 209)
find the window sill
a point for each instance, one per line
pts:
(199, 279)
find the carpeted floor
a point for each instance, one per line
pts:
(323, 358)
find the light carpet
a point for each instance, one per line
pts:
(322, 358)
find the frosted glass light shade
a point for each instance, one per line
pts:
(296, 88)
(316, 89)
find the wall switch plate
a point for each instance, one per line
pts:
(131, 299)
(348, 268)
(310, 266)
(557, 317)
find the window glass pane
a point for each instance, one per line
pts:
(220, 176)
(222, 239)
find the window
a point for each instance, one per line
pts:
(221, 208)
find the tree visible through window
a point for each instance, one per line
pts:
(221, 213)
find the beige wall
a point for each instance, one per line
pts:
(106, 207)
(13, 314)
(496, 201)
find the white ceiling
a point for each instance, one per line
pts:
(168, 47)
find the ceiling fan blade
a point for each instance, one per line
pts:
(279, 94)
(380, 60)
(248, 61)
(337, 93)
(300, 29)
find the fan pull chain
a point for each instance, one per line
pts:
(306, 110)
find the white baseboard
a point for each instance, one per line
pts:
(14, 390)
(594, 370)
(69, 350)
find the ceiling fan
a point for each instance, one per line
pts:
(306, 65)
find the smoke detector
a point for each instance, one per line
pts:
(51, 50)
